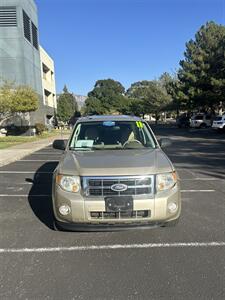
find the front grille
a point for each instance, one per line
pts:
(135, 214)
(102, 186)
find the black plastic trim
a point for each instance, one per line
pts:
(103, 227)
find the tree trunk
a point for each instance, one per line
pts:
(156, 119)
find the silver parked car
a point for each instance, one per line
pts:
(200, 121)
(219, 123)
(113, 174)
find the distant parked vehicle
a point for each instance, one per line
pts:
(219, 123)
(183, 121)
(200, 121)
(3, 132)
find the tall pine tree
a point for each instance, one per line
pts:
(202, 72)
(67, 106)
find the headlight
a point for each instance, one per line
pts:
(68, 183)
(165, 181)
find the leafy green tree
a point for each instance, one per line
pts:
(128, 106)
(16, 99)
(136, 107)
(151, 97)
(138, 90)
(106, 97)
(93, 106)
(202, 70)
(173, 88)
(66, 106)
(6, 93)
(25, 99)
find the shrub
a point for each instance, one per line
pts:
(40, 128)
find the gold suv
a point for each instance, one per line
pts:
(114, 175)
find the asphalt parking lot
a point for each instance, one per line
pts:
(184, 262)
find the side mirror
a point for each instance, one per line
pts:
(59, 144)
(165, 142)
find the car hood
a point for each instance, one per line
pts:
(114, 162)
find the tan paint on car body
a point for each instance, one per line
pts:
(114, 163)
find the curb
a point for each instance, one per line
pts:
(17, 154)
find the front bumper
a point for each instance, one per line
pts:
(105, 227)
(218, 126)
(80, 218)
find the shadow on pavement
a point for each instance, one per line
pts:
(202, 151)
(40, 194)
(194, 133)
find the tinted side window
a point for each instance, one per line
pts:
(198, 117)
(218, 118)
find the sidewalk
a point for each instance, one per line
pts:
(17, 152)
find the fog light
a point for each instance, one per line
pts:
(172, 207)
(64, 210)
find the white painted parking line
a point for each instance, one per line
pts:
(45, 153)
(197, 191)
(203, 179)
(33, 172)
(24, 172)
(114, 247)
(34, 160)
(7, 195)
(186, 170)
(48, 195)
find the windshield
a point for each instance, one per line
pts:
(105, 135)
(218, 118)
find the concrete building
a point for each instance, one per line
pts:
(21, 55)
(48, 82)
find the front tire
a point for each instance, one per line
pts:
(54, 226)
(203, 125)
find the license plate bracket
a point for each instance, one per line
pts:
(116, 204)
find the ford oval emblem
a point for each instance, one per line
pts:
(119, 187)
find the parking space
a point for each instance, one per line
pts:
(184, 262)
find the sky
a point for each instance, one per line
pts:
(126, 40)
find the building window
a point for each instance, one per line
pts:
(34, 35)
(8, 16)
(45, 71)
(30, 30)
(47, 97)
(26, 26)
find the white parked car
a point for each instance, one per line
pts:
(200, 121)
(219, 123)
(3, 132)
